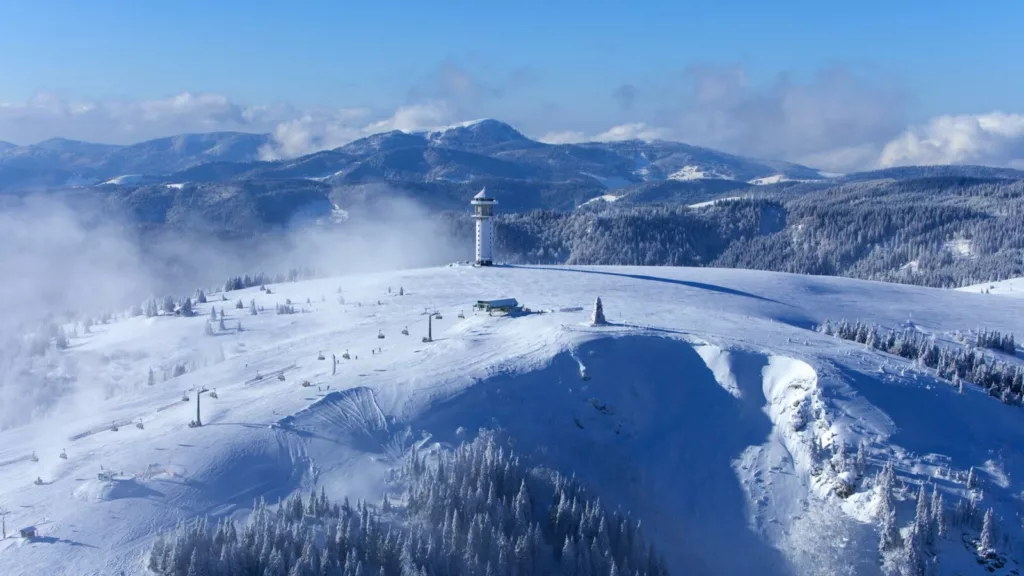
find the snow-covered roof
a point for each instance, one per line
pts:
(500, 303)
(482, 197)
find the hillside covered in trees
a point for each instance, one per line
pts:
(940, 232)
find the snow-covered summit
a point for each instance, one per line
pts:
(706, 406)
(484, 135)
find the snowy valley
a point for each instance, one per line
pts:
(709, 408)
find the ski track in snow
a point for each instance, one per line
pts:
(695, 409)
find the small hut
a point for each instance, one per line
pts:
(28, 532)
(504, 305)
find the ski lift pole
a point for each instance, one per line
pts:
(430, 326)
(199, 394)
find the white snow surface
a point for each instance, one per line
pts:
(704, 395)
(960, 247)
(697, 173)
(764, 180)
(124, 179)
(713, 202)
(602, 198)
(1013, 287)
(609, 182)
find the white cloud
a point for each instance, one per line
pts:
(123, 121)
(631, 131)
(312, 132)
(296, 131)
(995, 139)
(834, 116)
(833, 121)
(414, 118)
(565, 137)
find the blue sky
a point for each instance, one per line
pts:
(535, 63)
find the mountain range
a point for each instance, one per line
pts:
(467, 152)
(221, 182)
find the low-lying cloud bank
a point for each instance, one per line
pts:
(73, 259)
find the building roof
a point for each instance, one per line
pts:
(482, 196)
(499, 303)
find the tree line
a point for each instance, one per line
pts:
(475, 510)
(935, 231)
(1003, 380)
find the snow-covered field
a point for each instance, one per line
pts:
(695, 173)
(708, 403)
(1013, 287)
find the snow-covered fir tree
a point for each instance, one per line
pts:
(938, 514)
(200, 296)
(1003, 380)
(889, 540)
(473, 511)
(987, 539)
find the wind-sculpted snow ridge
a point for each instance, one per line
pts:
(647, 422)
(351, 416)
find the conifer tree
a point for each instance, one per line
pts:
(987, 540)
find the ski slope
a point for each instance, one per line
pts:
(704, 400)
(1013, 287)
